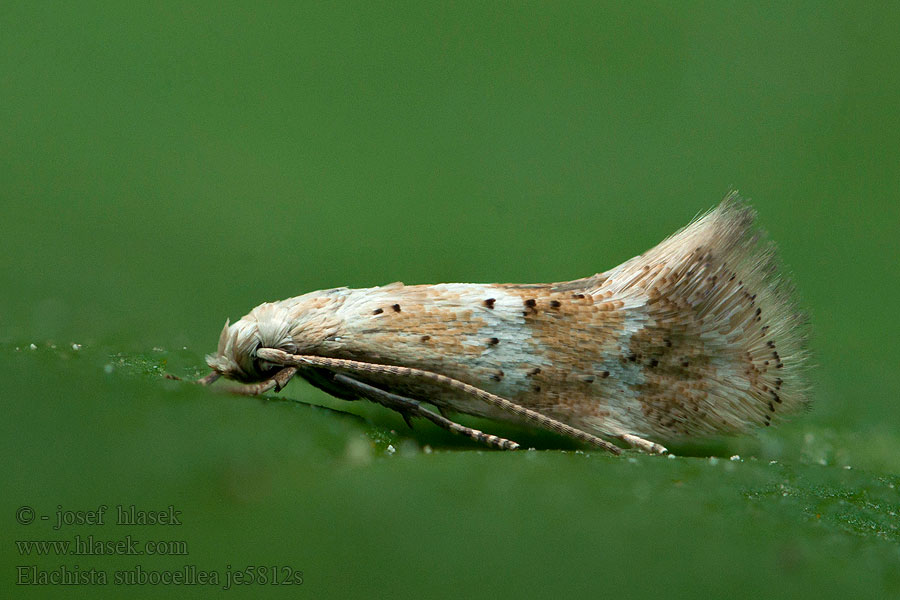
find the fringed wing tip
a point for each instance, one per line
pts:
(719, 280)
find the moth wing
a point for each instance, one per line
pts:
(585, 285)
(710, 304)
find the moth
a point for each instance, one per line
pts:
(699, 336)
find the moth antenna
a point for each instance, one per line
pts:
(283, 358)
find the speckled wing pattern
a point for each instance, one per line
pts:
(697, 336)
(712, 341)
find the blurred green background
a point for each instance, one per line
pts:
(165, 166)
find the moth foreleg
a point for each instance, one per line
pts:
(413, 408)
(276, 382)
(209, 378)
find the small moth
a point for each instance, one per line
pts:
(698, 336)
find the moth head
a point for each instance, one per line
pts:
(267, 326)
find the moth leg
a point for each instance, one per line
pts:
(277, 382)
(407, 419)
(281, 357)
(209, 378)
(407, 407)
(412, 408)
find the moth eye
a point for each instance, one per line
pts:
(256, 361)
(260, 365)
